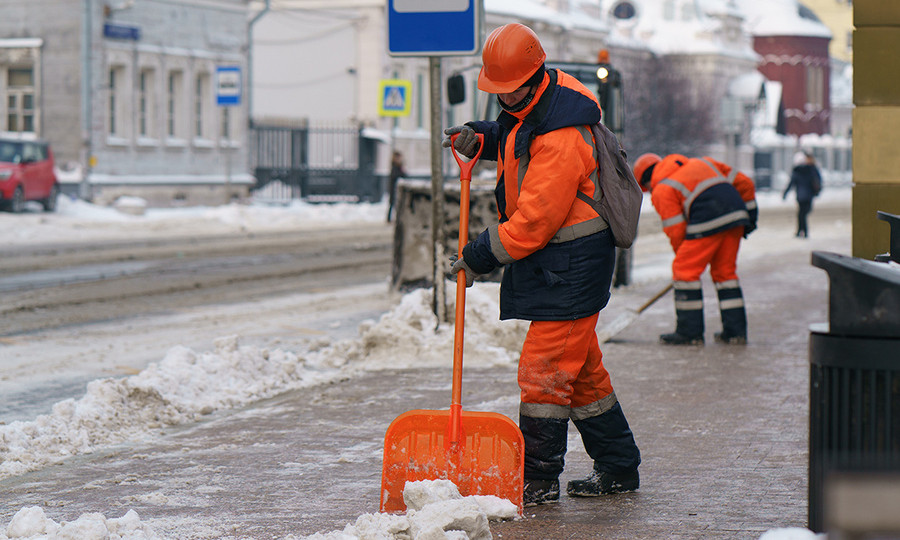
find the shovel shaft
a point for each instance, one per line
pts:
(465, 180)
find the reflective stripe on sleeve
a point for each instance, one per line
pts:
(503, 256)
(674, 220)
(677, 185)
(579, 230)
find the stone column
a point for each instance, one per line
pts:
(876, 123)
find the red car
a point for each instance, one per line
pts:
(26, 173)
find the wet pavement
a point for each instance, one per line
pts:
(722, 429)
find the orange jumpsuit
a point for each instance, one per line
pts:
(705, 207)
(558, 260)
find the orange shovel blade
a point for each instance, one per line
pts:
(488, 459)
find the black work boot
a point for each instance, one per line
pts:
(540, 492)
(729, 339)
(734, 316)
(601, 483)
(679, 339)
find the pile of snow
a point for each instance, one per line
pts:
(130, 218)
(185, 385)
(435, 510)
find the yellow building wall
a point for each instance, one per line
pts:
(876, 123)
(837, 15)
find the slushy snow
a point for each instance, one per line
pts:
(185, 385)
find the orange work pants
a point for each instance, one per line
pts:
(561, 364)
(718, 251)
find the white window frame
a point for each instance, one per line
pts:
(146, 104)
(14, 102)
(117, 122)
(202, 110)
(175, 105)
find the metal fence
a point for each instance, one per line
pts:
(313, 163)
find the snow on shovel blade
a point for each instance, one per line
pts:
(487, 460)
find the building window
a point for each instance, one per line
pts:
(669, 10)
(815, 87)
(173, 103)
(146, 104)
(201, 105)
(20, 99)
(116, 100)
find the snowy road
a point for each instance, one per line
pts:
(180, 487)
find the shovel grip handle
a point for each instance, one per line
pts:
(466, 167)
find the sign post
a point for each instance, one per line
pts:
(228, 94)
(435, 28)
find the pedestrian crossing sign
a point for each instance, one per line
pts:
(394, 96)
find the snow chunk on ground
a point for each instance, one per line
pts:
(31, 523)
(436, 511)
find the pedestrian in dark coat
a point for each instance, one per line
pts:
(806, 181)
(397, 172)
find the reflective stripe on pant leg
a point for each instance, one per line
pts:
(731, 306)
(723, 269)
(553, 357)
(689, 308)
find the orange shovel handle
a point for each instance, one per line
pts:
(465, 179)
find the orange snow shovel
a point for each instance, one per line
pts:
(481, 452)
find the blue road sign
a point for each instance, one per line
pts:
(228, 85)
(394, 97)
(434, 27)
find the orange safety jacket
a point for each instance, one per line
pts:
(557, 248)
(699, 197)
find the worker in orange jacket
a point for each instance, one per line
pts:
(558, 257)
(706, 208)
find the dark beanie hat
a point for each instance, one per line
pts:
(536, 77)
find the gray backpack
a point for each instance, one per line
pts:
(618, 196)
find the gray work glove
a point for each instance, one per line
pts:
(466, 143)
(460, 264)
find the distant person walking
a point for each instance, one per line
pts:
(397, 171)
(806, 181)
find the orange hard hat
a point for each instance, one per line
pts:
(511, 55)
(642, 165)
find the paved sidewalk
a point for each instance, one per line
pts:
(722, 429)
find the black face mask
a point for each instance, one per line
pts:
(520, 105)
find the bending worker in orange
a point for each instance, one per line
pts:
(558, 257)
(705, 207)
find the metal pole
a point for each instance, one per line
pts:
(87, 89)
(250, 25)
(437, 193)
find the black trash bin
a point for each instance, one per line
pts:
(854, 417)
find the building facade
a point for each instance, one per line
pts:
(136, 97)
